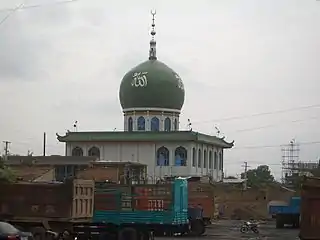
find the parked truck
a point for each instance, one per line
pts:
(287, 213)
(136, 211)
(310, 209)
(38, 207)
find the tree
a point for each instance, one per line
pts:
(6, 175)
(260, 176)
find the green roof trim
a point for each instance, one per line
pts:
(116, 136)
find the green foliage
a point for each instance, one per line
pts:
(261, 176)
(6, 175)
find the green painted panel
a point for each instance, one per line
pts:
(152, 84)
(174, 136)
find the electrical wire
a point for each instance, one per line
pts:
(258, 114)
(10, 13)
(273, 146)
(23, 7)
(273, 125)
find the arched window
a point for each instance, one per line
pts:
(205, 159)
(194, 156)
(199, 159)
(215, 166)
(94, 152)
(180, 156)
(167, 124)
(210, 160)
(77, 151)
(163, 156)
(155, 124)
(130, 124)
(220, 161)
(175, 124)
(141, 124)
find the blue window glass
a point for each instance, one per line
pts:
(155, 124)
(199, 159)
(167, 124)
(175, 125)
(94, 152)
(130, 124)
(163, 156)
(215, 165)
(180, 156)
(194, 155)
(141, 124)
(210, 160)
(205, 159)
(77, 151)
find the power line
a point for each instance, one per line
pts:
(273, 125)
(10, 13)
(275, 146)
(23, 7)
(258, 114)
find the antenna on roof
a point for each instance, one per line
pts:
(218, 132)
(75, 126)
(189, 125)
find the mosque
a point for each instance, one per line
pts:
(152, 96)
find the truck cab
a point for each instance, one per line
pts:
(287, 213)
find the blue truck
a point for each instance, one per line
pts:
(287, 214)
(121, 213)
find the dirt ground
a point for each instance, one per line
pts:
(229, 230)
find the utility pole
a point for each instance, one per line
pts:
(6, 149)
(44, 143)
(245, 175)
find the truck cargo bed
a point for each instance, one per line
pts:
(141, 204)
(69, 201)
(310, 209)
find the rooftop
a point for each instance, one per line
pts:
(29, 173)
(117, 164)
(48, 160)
(117, 136)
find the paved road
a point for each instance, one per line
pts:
(229, 230)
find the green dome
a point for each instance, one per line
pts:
(152, 84)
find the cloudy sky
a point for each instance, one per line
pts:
(64, 62)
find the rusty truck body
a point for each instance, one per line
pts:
(310, 209)
(37, 207)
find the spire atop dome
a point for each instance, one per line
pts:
(152, 51)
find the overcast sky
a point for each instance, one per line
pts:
(64, 62)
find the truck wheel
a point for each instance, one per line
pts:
(39, 233)
(197, 228)
(279, 222)
(127, 233)
(145, 235)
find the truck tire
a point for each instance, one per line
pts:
(128, 233)
(279, 222)
(39, 233)
(145, 235)
(197, 227)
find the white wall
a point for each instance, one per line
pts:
(145, 153)
(148, 117)
(202, 170)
